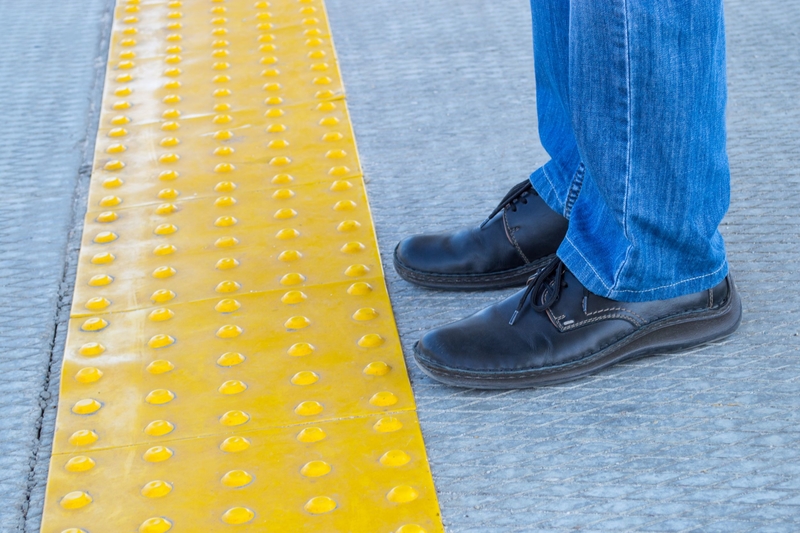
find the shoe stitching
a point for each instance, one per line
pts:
(627, 318)
(642, 320)
(646, 321)
(557, 320)
(575, 361)
(511, 238)
(626, 310)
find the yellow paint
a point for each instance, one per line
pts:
(232, 359)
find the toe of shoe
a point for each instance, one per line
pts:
(418, 253)
(405, 250)
(433, 352)
(469, 345)
(486, 344)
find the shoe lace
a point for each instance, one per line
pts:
(516, 194)
(554, 271)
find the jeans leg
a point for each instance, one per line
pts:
(647, 93)
(558, 181)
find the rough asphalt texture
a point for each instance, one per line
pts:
(442, 100)
(52, 63)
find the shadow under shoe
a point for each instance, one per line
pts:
(566, 332)
(520, 236)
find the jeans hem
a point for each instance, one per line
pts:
(578, 264)
(545, 188)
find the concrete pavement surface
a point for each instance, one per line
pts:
(52, 62)
(442, 100)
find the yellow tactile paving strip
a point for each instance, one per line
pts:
(232, 361)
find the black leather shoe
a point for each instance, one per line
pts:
(520, 236)
(566, 332)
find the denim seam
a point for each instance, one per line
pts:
(676, 283)
(628, 96)
(586, 262)
(574, 190)
(552, 187)
(598, 278)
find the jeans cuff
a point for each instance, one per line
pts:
(577, 263)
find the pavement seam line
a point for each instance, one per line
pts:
(71, 248)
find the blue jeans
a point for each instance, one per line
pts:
(631, 102)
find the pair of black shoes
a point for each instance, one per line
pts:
(554, 330)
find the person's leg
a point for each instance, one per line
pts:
(648, 91)
(527, 228)
(642, 269)
(559, 180)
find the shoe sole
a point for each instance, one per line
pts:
(668, 335)
(471, 282)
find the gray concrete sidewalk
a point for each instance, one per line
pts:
(52, 63)
(442, 101)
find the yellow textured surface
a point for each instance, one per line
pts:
(232, 359)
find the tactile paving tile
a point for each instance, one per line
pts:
(232, 357)
(275, 473)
